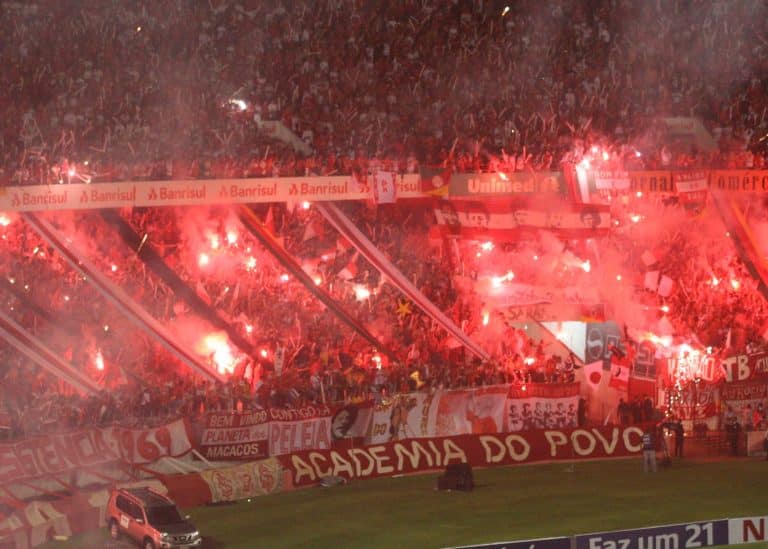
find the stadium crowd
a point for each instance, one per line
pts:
(95, 91)
(323, 361)
(166, 89)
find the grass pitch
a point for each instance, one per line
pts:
(511, 503)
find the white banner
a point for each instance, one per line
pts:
(541, 413)
(384, 188)
(613, 180)
(257, 478)
(406, 416)
(80, 196)
(477, 411)
(87, 449)
(513, 294)
(287, 437)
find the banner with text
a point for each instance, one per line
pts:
(65, 452)
(428, 454)
(286, 437)
(691, 186)
(76, 196)
(606, 181)
(745, 181)
(514, 294)
(256, 434)
(79, 196)
(506, 184)
(744, 397)
(744, 367)
(234, 436)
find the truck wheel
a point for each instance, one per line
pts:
(149, 544)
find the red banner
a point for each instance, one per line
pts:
(744, 398)
(62, 452)
(693, 365)
(698, 402)
(744, 367)
(744, 391)
(544, 390)
(422, 455)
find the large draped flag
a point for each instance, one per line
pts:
(743, 239)
(117, 296)
(374, 256)
(514, 219)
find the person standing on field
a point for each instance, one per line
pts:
(649, 451)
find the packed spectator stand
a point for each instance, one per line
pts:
(163, 89)
(108, 91)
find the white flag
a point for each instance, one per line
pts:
(384, 188)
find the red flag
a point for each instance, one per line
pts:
(269, 221)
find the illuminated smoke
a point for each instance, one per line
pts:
(362, 293)
(99, 361)
(215, 346)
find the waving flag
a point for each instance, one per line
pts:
(435, 181)
(593, 374)
(619, 377)
(384, 188)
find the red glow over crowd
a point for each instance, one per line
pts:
(97, 94)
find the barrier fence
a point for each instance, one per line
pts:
(671, 536)
(690, 185)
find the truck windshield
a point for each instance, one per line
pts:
(167, 514)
